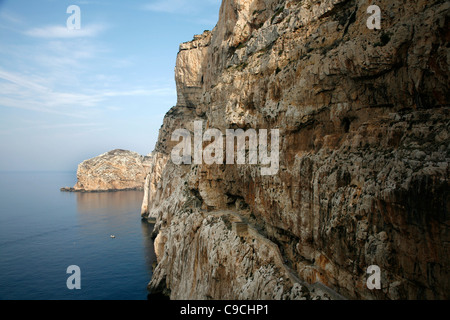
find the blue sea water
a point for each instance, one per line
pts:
(44, 231)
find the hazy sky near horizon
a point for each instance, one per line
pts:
(69, 95)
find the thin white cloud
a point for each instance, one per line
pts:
(65, 125)
(24, 92)
(58, 31)
(23, 81)
(88, 126)
(139, 92)
(10, 17)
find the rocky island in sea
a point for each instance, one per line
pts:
(116, 170)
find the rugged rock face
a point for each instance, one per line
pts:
(364, 155)
(112, 171)
(190, 69)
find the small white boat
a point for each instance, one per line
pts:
(113, 236)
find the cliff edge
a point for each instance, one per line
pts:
(364, 155)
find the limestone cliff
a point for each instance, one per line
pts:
(112, 171)
(364, 155)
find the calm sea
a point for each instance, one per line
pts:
(44, 231)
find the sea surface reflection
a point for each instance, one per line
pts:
(48, 230)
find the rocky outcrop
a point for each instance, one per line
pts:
(112, 171)
(189, 69)
(364, 155)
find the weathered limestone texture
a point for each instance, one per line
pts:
(112, 171)
(364, 155)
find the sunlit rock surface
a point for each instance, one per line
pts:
(364, 155)
(112, 171)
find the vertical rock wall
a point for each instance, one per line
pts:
(364, 155)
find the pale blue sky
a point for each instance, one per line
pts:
(66, 96)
